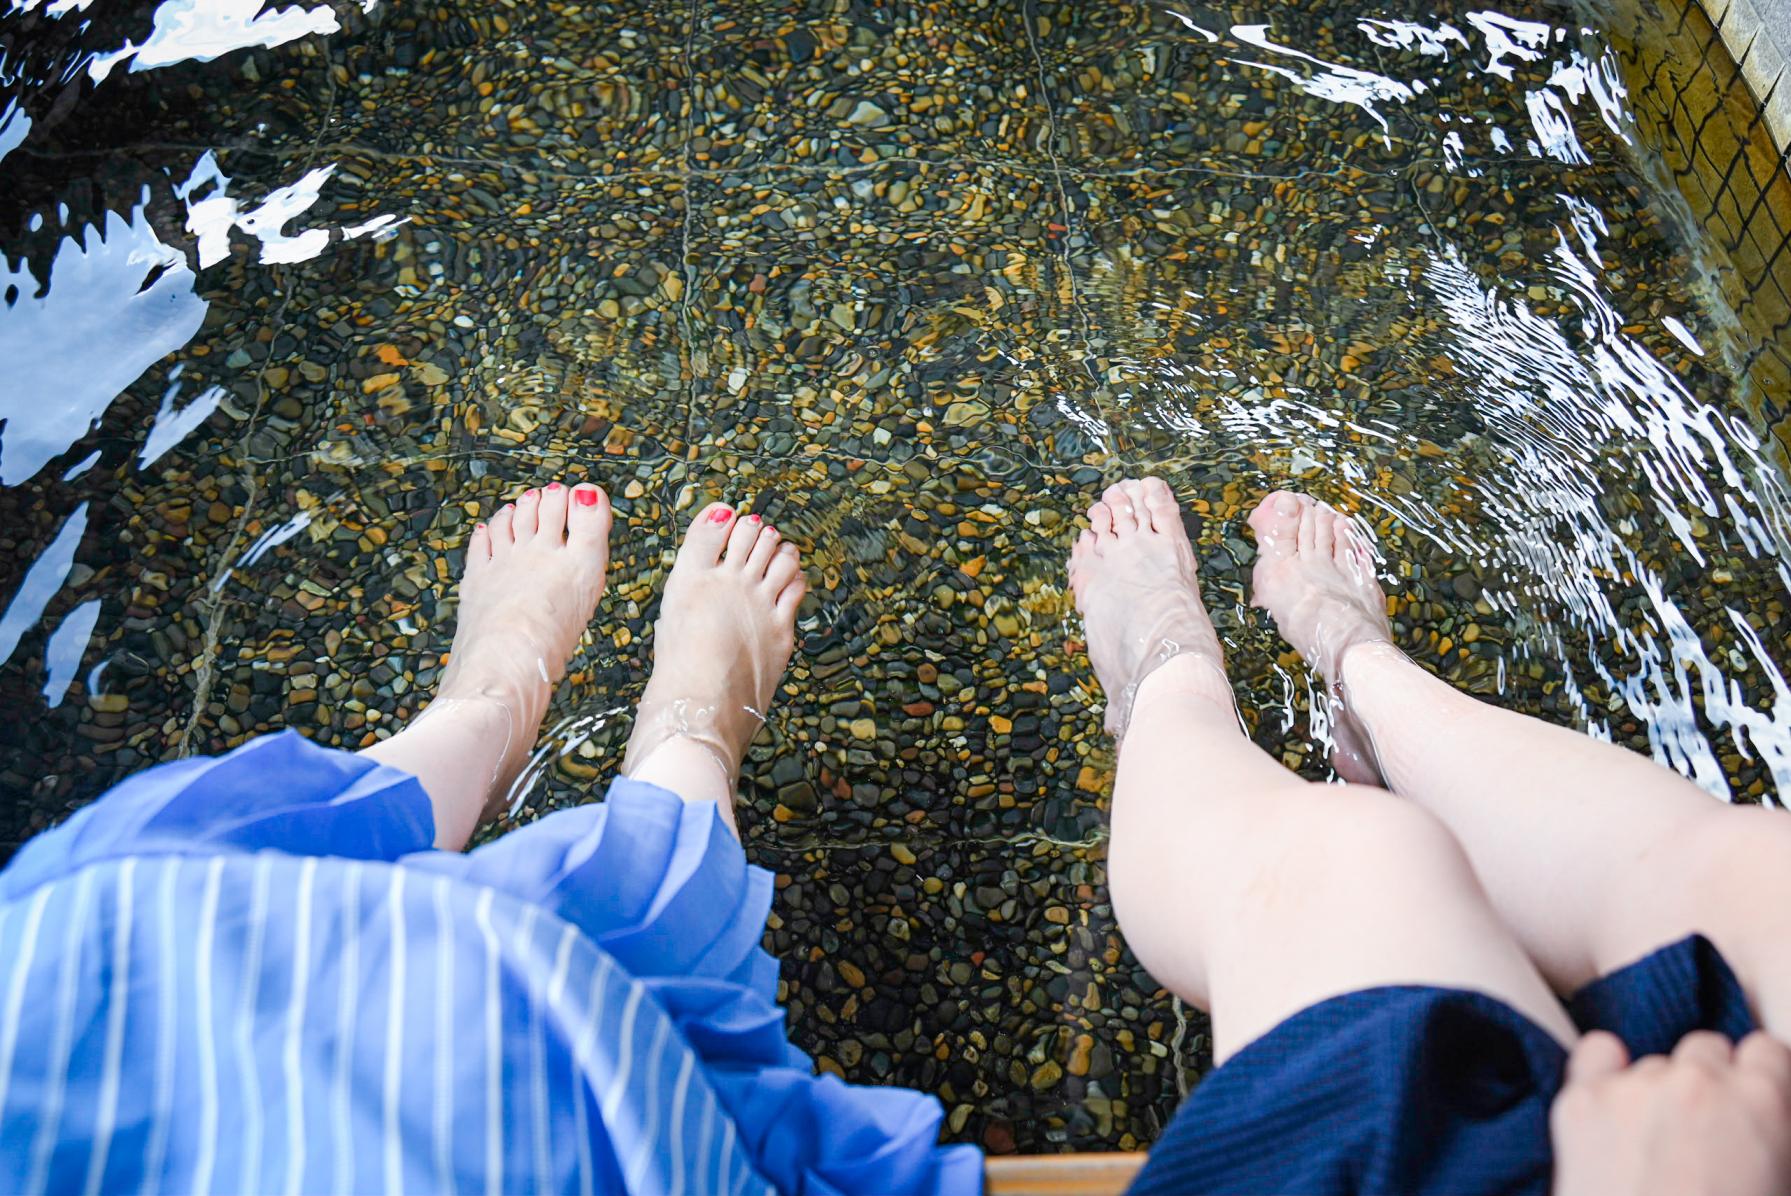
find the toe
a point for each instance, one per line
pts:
(523, 526)
(1082, 556)
(1119, 501)
(502, 530)
(588, 519)
(741, 539)
(1276, 522)
(785, 567)
(478, 547)
(790, 597)
(708, 534)
(550, 514)
(763, 550)
(1318, 531)
(1160, 505)
(1100, 519)
(1347, 540)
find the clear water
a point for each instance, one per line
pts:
(291, 297)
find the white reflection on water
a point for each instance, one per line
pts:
(120, 287)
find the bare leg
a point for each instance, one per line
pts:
(1242, 888)
(533, 577)
(1592, 854)
(724, 638)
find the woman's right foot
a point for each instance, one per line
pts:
(1138, 588)
(1315, 574)
(726, 630)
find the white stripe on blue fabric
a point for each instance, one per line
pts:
(118, 999)
(208, 1050)
(494, 1050)
(591, 1018)
(247, 1071)
(443, 1120)
(708, 1135)
(678, 1097)
(62, 1034)
(347, 1001)
(724, 1162)
(648, 1146)
(623, 1056)
(531, 914)
(394, 1157)
(295, 1024)
(161, 1112)
(15, 991)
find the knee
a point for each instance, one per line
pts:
(1371, 838)
(1738, 873)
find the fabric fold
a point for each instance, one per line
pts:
(659, 889)
(279, 792)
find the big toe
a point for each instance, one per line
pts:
(588, 517)
(1276, 522)
(707, 536)
(1124, 507)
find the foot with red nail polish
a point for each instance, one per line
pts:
(533, 575)
(724, 637)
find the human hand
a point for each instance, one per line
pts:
(1712, 1118)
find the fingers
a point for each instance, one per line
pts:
(1705, 1048)
(1599, 1054)
(1762, 1054)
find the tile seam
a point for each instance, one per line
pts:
(205, 675)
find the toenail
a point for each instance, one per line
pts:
(1287, 504)
(586, 498)
(755, 518)
(553, 485)
(721, 514)
(530, 493)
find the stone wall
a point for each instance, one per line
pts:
(1710, 86)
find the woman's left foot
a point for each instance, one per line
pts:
(532, 580)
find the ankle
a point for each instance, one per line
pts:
(1192, 676)
(1364, 658)
(693, 769)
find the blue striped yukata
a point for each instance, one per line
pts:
(253, 974)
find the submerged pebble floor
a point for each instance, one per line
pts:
(915, 281)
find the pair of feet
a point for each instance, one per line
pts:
(534, 574)
(532, 579)
(1137, 586)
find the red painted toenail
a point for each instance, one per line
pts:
(586, 498)
(553, 485)
(755, 518)
(721, 514)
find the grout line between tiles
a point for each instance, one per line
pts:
(1020, 839)
(687, 338)
(1066, 213)
(205, 675)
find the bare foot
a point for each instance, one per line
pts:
(725, 633)
(533, 577)
(1138, 589)
(1315, 575)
